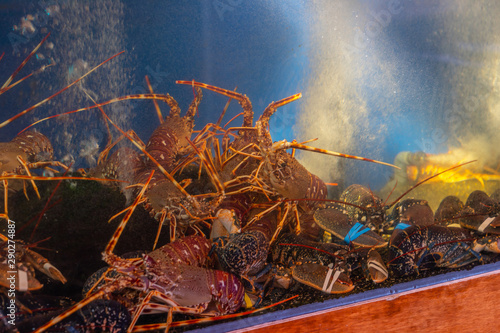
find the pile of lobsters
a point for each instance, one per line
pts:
(250, 221)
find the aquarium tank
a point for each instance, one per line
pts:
(224, 158)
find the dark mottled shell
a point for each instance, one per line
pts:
(98, 316)
(340, 224)
(40, 303)
(425, 247)
(373, 213)
(36, 146)
(412, 211)
(361, 196)
(448, 209)
(481, 203)
(245, 253)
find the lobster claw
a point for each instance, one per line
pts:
(496, 222)
(375, 266)
(339, 224)
(489, 243)
(479, 222)
(43, 265)
(323, 278)
(225, 224)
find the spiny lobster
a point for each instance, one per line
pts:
(255, 159)
(172, 279)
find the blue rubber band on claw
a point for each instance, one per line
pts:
(402, 226)
(357, 230)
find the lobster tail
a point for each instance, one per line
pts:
(227, 291)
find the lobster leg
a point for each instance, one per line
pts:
(460, 254)
(104, 154)
(169, 305)
(26, 168)
(157, 107)
(281, 223)
(149, 327)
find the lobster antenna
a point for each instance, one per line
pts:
(427, 179)
(287, 145)
(225, 109)
(157, 107)
(8, 121)
(5, 86)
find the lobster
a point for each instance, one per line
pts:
(362, 240)
(419, 248)
(32, 146)
(174, 276)
(310, 263)
(164, 197)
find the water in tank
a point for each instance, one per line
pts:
(222, 127)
